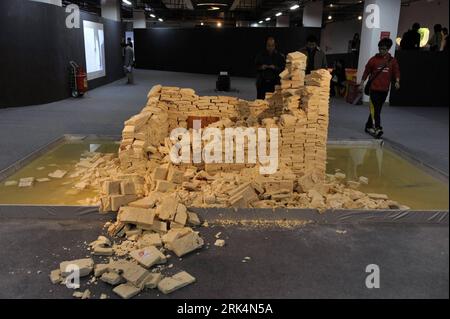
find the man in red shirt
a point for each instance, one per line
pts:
(383, 69)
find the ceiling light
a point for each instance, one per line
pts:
(260, 21)
(219, 24)
(295, 7)
(359, 17)
(209, 4)
(160, 20)
(278, 14)
(330, 17)
(267, 19)
(152, 15)
(202, 23)
(213, 8)
(331, 5)
(127, 2)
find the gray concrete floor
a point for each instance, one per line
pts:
(310, 262)
(314, 261)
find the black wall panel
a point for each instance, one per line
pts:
(350, 59)
(424, 79)
(211, 50)
(35, 50)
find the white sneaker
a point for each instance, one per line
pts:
(379, 133)
(370, 130)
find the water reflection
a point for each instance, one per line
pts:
(389, 174)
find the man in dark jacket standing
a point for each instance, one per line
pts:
(269, 64)
(383, 69)
(411, 38)
(129, 61)
(316, 57)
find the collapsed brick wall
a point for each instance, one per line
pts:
(152, 195)
(298, 107)
(304, 124)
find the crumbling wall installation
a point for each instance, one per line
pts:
(298, 108)
(152, 194)
(299, 111)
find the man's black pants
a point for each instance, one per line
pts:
(376, 102)
(264, 86)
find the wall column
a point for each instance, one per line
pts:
(283, 21)
(139, 19)
(312, 14)
(380, 19)
(111, 9)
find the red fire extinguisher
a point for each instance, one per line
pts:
(79, 83)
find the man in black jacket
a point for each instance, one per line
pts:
(411, 38)
(269, 64)
(316, 57)
(129, 62)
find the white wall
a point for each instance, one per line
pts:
(426, 12)
(335, 36)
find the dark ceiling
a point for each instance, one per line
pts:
(229, 11)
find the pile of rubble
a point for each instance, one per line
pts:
(151, 193)
(30, 181)
(197, 188)
(146, 233)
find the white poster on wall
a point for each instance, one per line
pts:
(94, 47)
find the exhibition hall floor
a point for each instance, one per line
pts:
(310, 261)
(315, 261)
